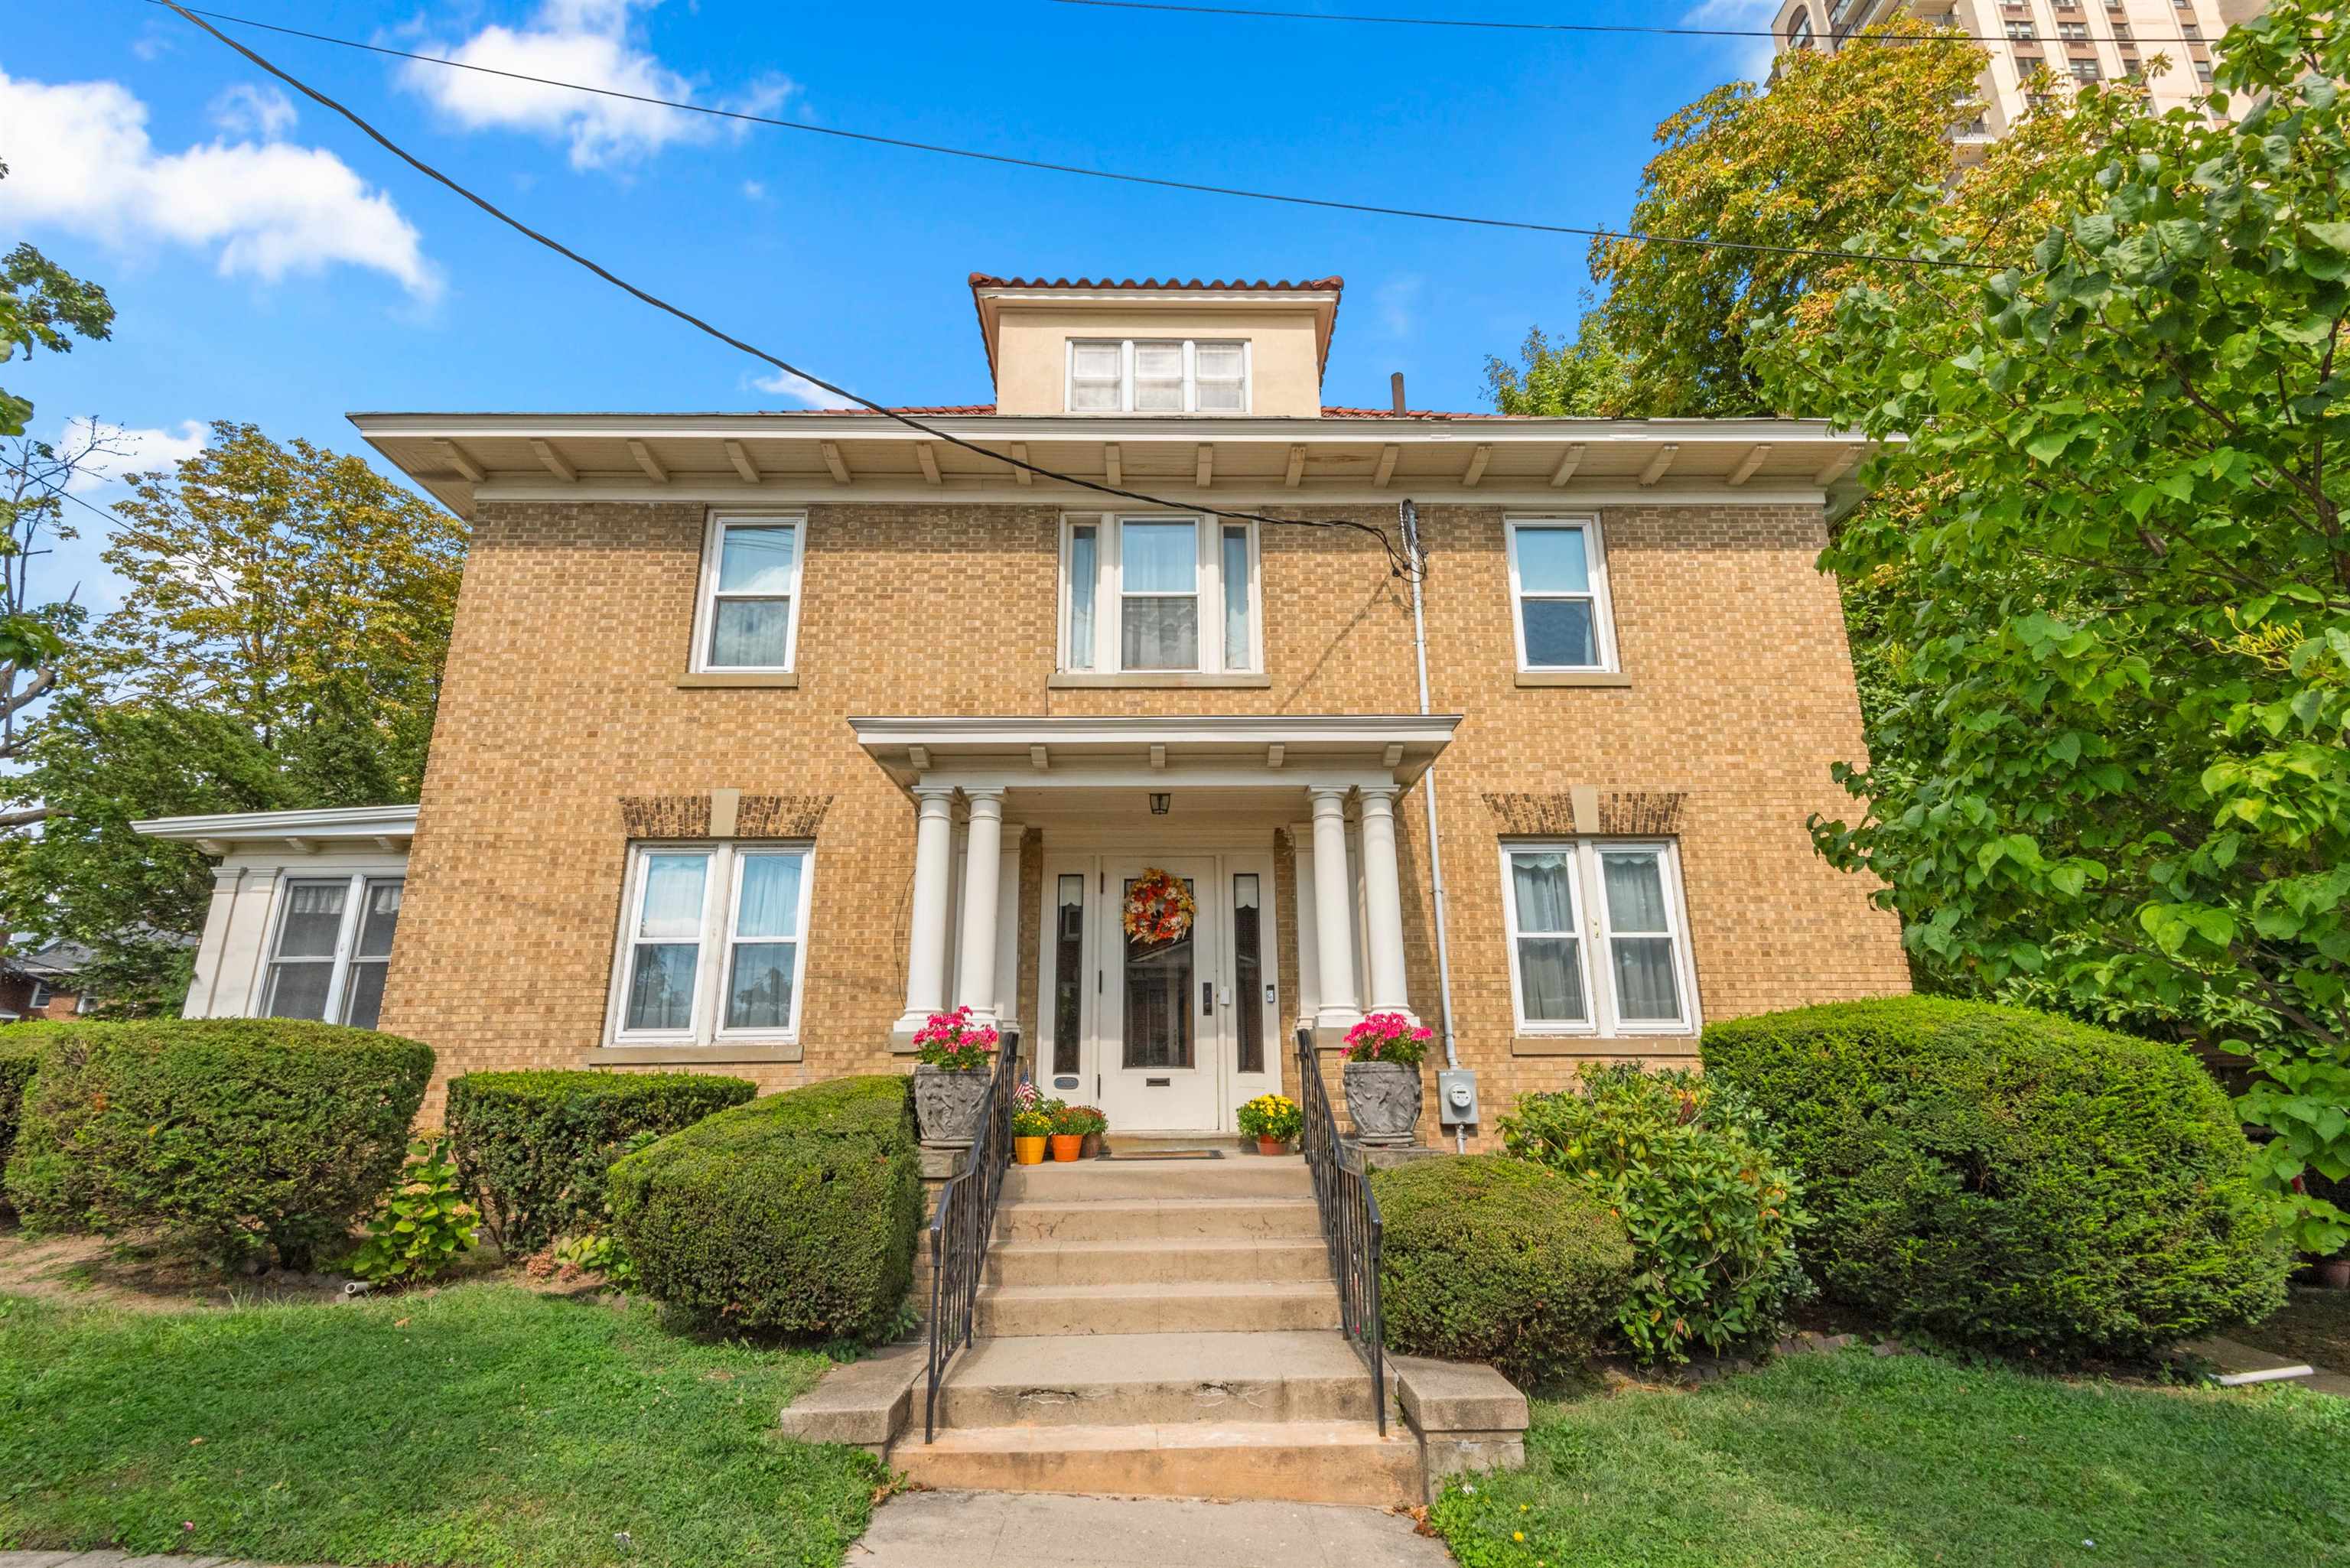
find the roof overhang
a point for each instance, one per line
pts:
(993, 295)
(752, 459)
(1253, 752)
(385, 828)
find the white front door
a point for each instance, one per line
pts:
(1167, 1036)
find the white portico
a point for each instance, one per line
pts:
(1172, 1035)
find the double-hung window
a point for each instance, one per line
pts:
(1558, 589)
(1598, 941)
(1158, 594)
(1158, 376)
(332, 949)
(712, 944)
(748, 619)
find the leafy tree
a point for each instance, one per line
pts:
(279, 645)
(2125, 779)
(1586, 376)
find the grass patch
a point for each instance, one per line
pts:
(483, 1425)
(2313, 1327)
(1856, 1461)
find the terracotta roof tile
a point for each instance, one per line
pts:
(1331, 413)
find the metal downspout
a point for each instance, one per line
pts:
(1409, 516)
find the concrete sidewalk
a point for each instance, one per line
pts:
(998, 1530)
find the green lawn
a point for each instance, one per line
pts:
(483, 1425)
(1852, 1461)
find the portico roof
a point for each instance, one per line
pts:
(1257, 749)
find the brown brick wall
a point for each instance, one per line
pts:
(561, 704)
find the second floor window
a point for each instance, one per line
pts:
(1158, 376)
(1558, 584)
(749, 614)
(1154, 594)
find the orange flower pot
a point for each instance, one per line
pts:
(1271, 1146)
(1067, 1146)
(1028, 1150)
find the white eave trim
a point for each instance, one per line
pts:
(1285, 748)
(343, 825)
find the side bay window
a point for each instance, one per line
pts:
(711, 944)
(1157, 594)
(1598, 943)
(1558, 595)
(331, 950)
(747, 616)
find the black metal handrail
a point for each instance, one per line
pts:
(963, 1224)
(1350, 1220)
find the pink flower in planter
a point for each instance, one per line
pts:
(1388, 1037)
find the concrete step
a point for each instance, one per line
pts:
(1253, 1177)
(1297, 1461)
(1141, 1220)
(1156, 1379)
(1060, 1262)
(1157, 1308)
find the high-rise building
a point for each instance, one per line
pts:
(2087, 40)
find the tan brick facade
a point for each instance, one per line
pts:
(564, 731)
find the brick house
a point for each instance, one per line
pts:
(45, 984)
(765, 735)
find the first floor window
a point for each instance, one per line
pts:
(1597, 944)
(1157, 594)
(713, 942)
(750, 594)
(332, 949)
(1558, 583)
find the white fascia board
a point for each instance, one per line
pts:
(1219, 751)
(366, 821)
(941, 734)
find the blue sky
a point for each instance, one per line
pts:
(269, 264)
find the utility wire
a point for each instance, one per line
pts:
(1400, 563)
(1647, 29)
(1821, 251)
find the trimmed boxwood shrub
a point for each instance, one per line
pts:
(2008, 1179)
(1495, 1260)
(20, 1051)
(531, 1147)
(235, 1133)
(794, 1215)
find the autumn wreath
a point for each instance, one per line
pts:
(1158, 907)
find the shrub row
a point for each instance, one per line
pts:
(20, 1051)
(794, 1215)
(531, 1147)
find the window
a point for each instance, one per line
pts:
(1596, 941)
(1158, 376)
(712, 945)
(332, 949)
(2021, 32)
(1558, 584)
(2085, 70)
(749, 616)
(42, 995)
(2072, 31)
(1799, 31)
(1158, 594)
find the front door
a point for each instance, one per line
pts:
(1161, 1049)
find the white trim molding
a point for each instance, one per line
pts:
(375, 826)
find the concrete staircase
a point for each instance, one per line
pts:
(1164, 1328)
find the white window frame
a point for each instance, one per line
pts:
(43, 993)
(1191, 347)
(1110, 596)
(347, 936)
(1593, 951)
(706, 593)
(720, 888)
(1603, 611)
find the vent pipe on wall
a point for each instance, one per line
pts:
(1394, 390)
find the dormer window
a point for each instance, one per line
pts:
(1158, 376)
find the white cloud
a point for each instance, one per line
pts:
(1397, 300)
(1752, 55)
(79, 158)
(133, 451)
(590, 42)
(249, 111)
(802, 390)
(753, 191)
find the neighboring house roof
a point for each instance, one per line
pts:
(58, 961)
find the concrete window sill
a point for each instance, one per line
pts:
(1650, 1046)
(770, 681)
(1606, 677)
(692, 1056)
(1159, 680)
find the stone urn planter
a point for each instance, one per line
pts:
(947, 1105)
(1383, 1101)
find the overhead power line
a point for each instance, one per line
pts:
(1286, 198)
(1647, 29)
(1400, 562)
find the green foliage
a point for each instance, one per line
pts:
(794, 1215)
(1497, 1260)
(235, 1133)
(1586, 376)
(1033, 1123)
(598, 1252)
(1713, 1213)
(2012, 1179)
(531, 1147)
(2123, 773)
(424, 1225)
(1076, 1121)
(20, 1051)
(43, 307)
(480, 1424)
(1275, 1116)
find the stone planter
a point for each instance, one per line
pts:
(1382, 1101)
(947, 1105)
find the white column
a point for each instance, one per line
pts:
(1383, 903)
(982, 872)
(926, 947)
(1334, 918)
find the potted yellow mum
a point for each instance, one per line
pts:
(1273, 1120)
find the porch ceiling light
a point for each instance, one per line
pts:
(1161, 804)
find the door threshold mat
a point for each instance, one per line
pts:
(1169, 1154)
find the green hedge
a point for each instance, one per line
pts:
(2008, 1179)
(20, 1051)
(236, 1133)
(794, 1215)
(531, 1147)
(1495, 1260)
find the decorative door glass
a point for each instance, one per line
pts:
(1068, 972)
(1248, 972)
(1159, 1030)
